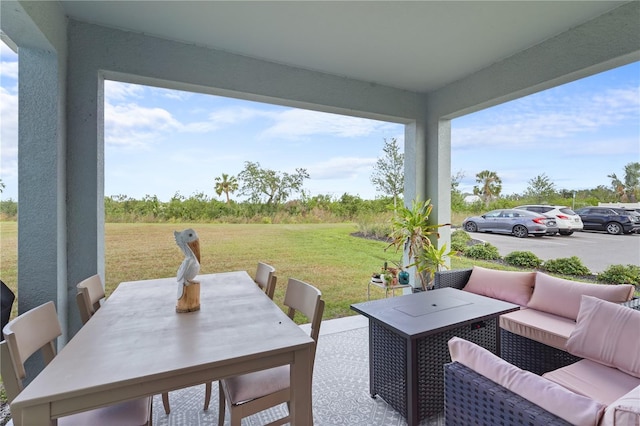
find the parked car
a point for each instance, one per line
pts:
(566, 219)
(520, 223)
(610, 219)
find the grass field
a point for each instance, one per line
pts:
(325, 255)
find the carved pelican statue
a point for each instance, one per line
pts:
(189, 243)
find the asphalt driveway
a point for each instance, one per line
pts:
(597, 250)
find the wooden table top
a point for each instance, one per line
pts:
(137, 339)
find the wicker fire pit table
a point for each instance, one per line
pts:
(408, 338)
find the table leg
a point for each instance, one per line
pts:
(34, 415)
(300, 380)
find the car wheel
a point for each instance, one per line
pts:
(566, 232)
(471, 227)
(614, 228)
(520, 231)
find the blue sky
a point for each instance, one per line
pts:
(160, 142)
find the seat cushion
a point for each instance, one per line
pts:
(562, 297)
(510, 286)
(607, 333)
(130, 413)
(594, 380)
(555, 399)
(254, 385)
(624, 411)
(552, 330)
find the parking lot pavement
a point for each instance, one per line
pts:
(597, 250)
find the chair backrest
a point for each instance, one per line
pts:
(306, 299)
(90, 293)
(6, 302)
(34, 330)
(266, 278)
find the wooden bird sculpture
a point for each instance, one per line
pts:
(189, 243)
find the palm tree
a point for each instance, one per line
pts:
(227, 184)
(628, 189)
(490, 187)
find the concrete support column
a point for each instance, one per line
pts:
(85, 176)
(41, 224)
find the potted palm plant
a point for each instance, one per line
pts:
(412, 232)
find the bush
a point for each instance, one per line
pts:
(523, 259)
(566, 266)
(620, 274)
(459, 240)
(484, 251)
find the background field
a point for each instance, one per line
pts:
(325, 255)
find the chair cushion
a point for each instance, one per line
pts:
(594, 380)
(607, 333)
(254, 385)
(129, 413)
(543, 327)
(562, 297)
(624, 411)
(510, 286)
(557, 400)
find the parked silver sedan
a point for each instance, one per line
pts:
(520, 223)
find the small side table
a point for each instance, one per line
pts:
(386, 288)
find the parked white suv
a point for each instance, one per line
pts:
(566, 219)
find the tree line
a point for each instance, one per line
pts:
(274, 196)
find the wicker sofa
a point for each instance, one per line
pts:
(590, 378)
(534, 338)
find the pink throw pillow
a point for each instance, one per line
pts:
(607, 333)
(574, 408)
(562, 297)
(510, 286)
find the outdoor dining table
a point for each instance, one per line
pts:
(137, 345)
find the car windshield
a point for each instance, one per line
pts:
(567, 210)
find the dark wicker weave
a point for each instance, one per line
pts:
(531, 355)
(456, 279)
(472, 399)
(389, 355)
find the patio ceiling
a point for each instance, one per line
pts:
(418, 46)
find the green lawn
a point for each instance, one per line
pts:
(325, 255)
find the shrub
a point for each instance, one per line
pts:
(566, 266)
(620, 274)
(523, 259)
(484, 251)
(459, 240)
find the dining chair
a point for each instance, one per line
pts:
(266, 278)
(37, 330)
(251, 393)
(89, 298)
(6, 302)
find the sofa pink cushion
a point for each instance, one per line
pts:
(607, 333)
(543, 327)
(574, 408)
(510, 286)
(562, 297)
(594, 380)
(624, 411)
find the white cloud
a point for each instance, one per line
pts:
(9, 69)
(135, 126)
(297, 123)
(118, 91)
(543, 119)
(341, 168)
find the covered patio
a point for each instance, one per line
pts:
(416, 63)
(421, 64)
